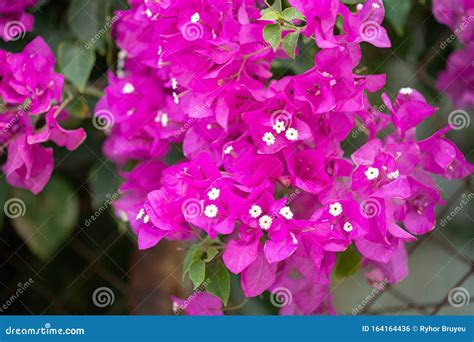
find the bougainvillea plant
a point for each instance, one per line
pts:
(30, 103)
(265, 190)
(265, 185)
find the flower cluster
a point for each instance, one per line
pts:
(265, 175)
(14, 22)
(458, 79)
(30, 91)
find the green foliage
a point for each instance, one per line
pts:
(219, 281)
(76, 62)
(347, 263)
(396, 13)
(49, 217)
(273, 33)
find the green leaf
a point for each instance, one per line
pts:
(76, 62)
(270, 15)
(197, 272)
(289, 43)
(347, 263)
(272, 35)
(87, 21)
(49, 218)
(397, 14)
(78, 109)
(277, 5)
(191, 255)
(292, 13)
(211, 253)
(104, 183)
(219, 282)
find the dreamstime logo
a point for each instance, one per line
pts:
(458, 297)
(370, 208)
(464, 24)
(192, 31)
(369, 30)
(192, 208)
(377, 287)
(108, 24)
(14, 30)
(22, 287)
(281, 116)
(280, 297)
(108, 202)
(178, 308)
(103, 120)
(459, 119)
(103, 296)
(14, 208)
(466, 198)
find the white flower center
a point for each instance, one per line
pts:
(335, 209)
(359, 7)
(286, 213)
(265, 222)
(291, 134)
(146, 219)
(348, 227)
(375, 5)
(394, 174)
(140, 214)
(195, 18)
(210, 211)
(406, 91)
(372, 173)
(174, 83)
(148, 13)
(175, 98)
(228, 149)
(213, 194)
(269, 138)
(163, 118)
(279, 126)
(255, 211)
(128, 88)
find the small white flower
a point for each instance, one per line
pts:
(146, 219)
(140, 214)
(265, 222)
(255, 211)
(359, 7)
(286, 213)
(279, 126)
(332, 83)
(213, 194)
(335, 209)
(326, 74)
(195, 18)
(211, 211)
(175, 98)
(174, 83)
(406, 91)
(149, 14)
(375, 5)
(394, 174)
(348, 227)
(128, 88)
(162, 118)
(291, 134)
(269, 138)
(228, 149)
(372, 173)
